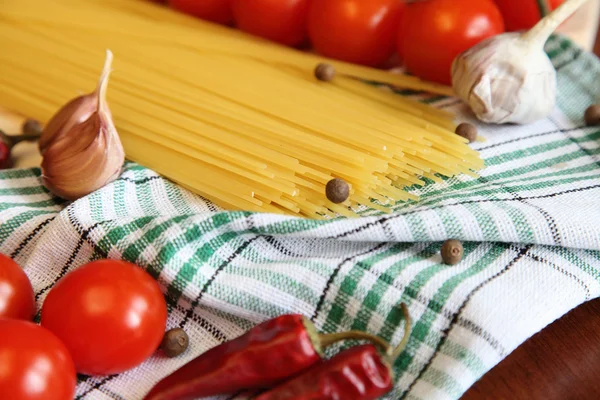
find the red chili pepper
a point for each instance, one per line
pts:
(264, 356)
(359, 373)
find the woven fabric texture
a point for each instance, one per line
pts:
(530, 223)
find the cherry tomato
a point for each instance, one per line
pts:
(358, 31)
(282, 21)
(16, 294)
(432, 33)
(110, 314)
(218, 11)
(523, 14)
(34, 364)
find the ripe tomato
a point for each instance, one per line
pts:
(218, 11)
(110, 314)
(523, 14)
(357, 31)
(432, 33)
(34, 364)
(282, 21)
(16, 294)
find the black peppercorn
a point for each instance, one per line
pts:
(452, 252)
(337, 190)
(32, 127)
(592, 115)
(175, 342)
(468, 131)
(325, 72)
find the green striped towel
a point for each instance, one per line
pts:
(531, 224)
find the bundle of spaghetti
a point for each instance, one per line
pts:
(241, 121)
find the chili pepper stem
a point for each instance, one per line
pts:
(11, 141)
(394, 353)
(330, 338)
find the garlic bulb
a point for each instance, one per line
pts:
(81, 150)
(509, 77)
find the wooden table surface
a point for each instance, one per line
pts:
(562, 362)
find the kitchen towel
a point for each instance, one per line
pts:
(530, 226)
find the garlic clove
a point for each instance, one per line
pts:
(74, 112)
(80, 158)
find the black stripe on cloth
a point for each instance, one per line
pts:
(80, 229)
(521, 138)
(446, 332)
(95, 386)
(29, 237)
(210, 328)
(222, 266)
(140, 181)
(82, 238)
(388, 218)
(112, 394)
(277, 245)
(563, 271)
(335, 273)
(550, 221)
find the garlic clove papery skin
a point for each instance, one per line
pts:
(80, 158)
(73, 113)
(506, 80)
(75, 168)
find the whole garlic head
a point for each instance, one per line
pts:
(509, 78)
(504, 79)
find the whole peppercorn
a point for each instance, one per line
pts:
(325, 72)
(592, 115)
(337, 190)
(32, 127)
(452, 252)
(175, 342)
(468, 131)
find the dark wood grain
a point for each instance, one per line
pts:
(561, 362)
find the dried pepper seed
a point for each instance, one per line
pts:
(468, 131)
(32, 127)
(452, 252)
(175, 342)
(325, 72)
(592, 115)
(337, 190)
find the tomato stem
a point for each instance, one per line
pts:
(544, 7)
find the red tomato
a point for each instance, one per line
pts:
(432, 33)
(218, 11)
(110, 314)
(358, 31)
(16, 294)
(523, 14)
(34, 364)
(282, 21)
